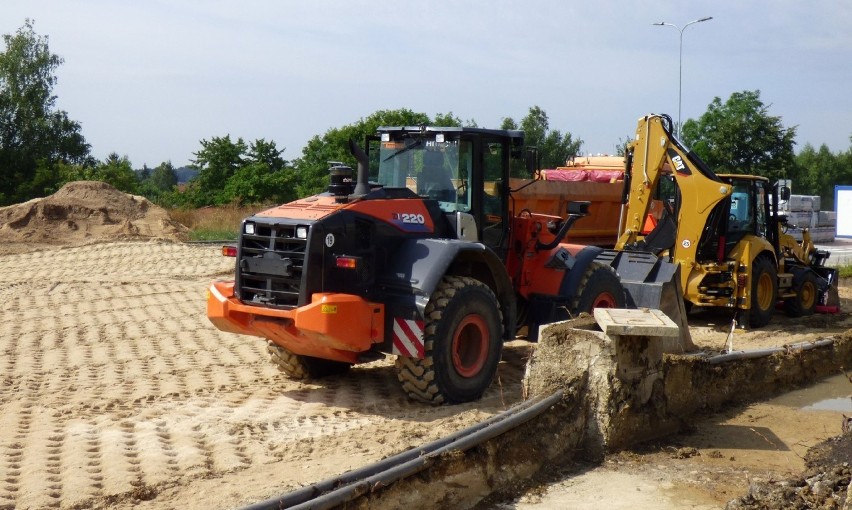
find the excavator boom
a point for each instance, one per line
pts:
(658, 154)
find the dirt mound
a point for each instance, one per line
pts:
(87, 211)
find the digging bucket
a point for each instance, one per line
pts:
(651, 282)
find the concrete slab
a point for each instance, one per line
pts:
(635, 322)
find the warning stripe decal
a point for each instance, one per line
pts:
(408, 338)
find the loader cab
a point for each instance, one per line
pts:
(747, 212)
(748, 209)
(465, 170)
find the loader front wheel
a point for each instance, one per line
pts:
(462, 341)
(764, 292)
(296, 366)
(805, 300)
(599, 288)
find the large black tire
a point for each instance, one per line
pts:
(463, 342)
(764, 292)
(805, 300)
(299, 367)
(599, 288)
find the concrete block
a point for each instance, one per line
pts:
(801, 219)
(826, 218)
(803, 203)
(823, 234)
(639, 339)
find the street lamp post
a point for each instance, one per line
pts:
(680, 62)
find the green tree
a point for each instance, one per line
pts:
(217, 161)
(257, 183)
(554, 147)
(163, 177)
(451, 120)
(312, 167)
(818, 170)
(144, 173)
(266, 153)
(117, 171)
(233, 172)
(34, 136)
(740, 136)
(156, 183)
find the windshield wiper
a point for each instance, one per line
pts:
(404, 149)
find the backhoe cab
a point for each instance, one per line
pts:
(721, 233)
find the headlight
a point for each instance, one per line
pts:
(301, 232)
(250, 228)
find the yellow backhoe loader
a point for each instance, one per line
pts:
(717, 239)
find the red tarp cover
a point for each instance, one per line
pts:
(575, 175)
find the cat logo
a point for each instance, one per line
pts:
(678, 162)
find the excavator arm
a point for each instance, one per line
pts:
(654, 154)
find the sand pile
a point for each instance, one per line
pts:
(87, 211)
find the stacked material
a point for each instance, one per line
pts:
(803, 212)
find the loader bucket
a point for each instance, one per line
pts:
(651, 282)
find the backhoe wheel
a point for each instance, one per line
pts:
(599, 288)
(299, 367)
(764, 292)
(805, 300)
(463, 341)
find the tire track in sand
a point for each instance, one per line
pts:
(116, 387)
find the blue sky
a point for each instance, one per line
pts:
(149, 79)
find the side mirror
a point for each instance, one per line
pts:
(531, 160)
(784, 193)
(580, 208)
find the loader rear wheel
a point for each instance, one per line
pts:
(299, 367)
(805, 300)
(764, 292)
(599, 288)
(462, 341)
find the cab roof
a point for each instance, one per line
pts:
(744, 176)
(505, 133)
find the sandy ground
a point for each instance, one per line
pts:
(119, 393)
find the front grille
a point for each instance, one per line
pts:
(271, 265)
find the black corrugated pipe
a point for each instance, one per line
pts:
(336, 491)
(759, 353)
(362, 185)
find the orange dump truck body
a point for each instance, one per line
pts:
(598, 180)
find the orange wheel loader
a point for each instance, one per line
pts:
(423, 254)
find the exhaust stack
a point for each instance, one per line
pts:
(362, 185)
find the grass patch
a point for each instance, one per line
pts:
(845, 271)
(214, 223)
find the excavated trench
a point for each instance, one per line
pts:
(588, 394)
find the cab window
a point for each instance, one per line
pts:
(492, 199)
